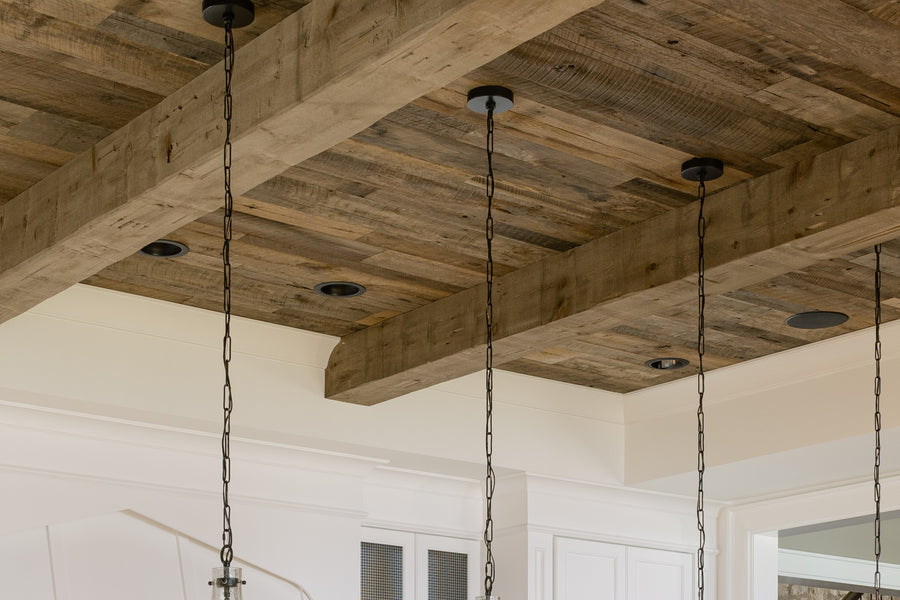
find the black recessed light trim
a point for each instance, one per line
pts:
(164, 249)
(817, 319)
(668, 363)
(340, 289)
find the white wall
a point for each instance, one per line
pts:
(792, 421)
(110, 402)
(100, 352)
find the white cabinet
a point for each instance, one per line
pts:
(659, 574)
(415, 566)
(587, 570)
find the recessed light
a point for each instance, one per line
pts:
(817, 319)
(667, 363)
(164, 249)
(340, 289)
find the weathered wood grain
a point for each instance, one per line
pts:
(753, 39)
(93, 51)
(57, 132)
(831, 29)
(40, 84)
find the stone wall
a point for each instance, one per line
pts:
(790, 591)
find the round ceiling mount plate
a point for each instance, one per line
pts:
(706, 169)
(340, 289)
(667, 364)
(478, 99)
(817, 319)
(164, 249)
(242, 12)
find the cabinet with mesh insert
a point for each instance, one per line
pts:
(381, 571)
(400, 565)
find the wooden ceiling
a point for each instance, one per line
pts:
(609, 103)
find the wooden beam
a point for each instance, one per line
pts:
(840, 201)
(315, 79)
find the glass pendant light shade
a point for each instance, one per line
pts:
(226, 583)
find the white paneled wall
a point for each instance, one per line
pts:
(115, 556)
(25, 565)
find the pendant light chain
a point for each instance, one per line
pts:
(226, 553)
(878, 422)
(489, 358)
(701, 383)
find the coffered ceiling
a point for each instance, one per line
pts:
(357, 160)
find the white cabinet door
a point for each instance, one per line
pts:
(377, 573)
(589, 570)
(659, 575)
(450, 565)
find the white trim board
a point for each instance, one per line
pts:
(813, 567)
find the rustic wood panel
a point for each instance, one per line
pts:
(93, 51)
(756, 40)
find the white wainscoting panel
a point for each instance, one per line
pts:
(25, 565)
(114, 556)
(120, 555)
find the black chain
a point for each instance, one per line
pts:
(489, 567)
(878, 422)
(226, 553)
(701, 383)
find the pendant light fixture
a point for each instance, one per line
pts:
(701, 170)
(877, 470)
(489, 100)
(226, 580)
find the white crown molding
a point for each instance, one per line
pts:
(417, 527)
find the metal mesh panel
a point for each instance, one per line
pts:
(381, 569)
(448, 575)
